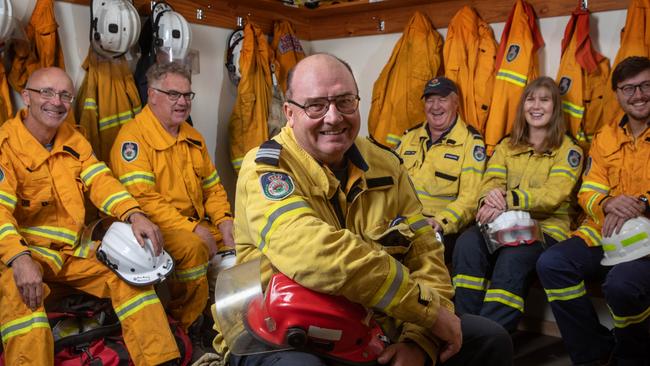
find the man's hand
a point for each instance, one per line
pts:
(434, 224)
(403, 354)
(613, 224)
(447, 329)
(207, 237)
(486, 214)
(496, 198)
(624, 206)
(226, 233)
(29, 280)
(145, 229)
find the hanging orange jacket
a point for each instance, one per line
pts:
(635, 41)
(582, 78)
(516, 64)
(42, 48)
(469, 53)
(396, 96)
(287, 51)
(6, 108)
(248, 122)
(107, 99)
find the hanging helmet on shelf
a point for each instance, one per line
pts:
(632, 242)
(511, 228)
(235, 43)
(10, 27)
(172, 37)
(114, 27)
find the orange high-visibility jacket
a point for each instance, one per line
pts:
(248, 122)
(42, 48)
(6, 108)
(107, 99)
(396, 104)
(287, 51)
(582, 78)
(469, 53)
(516, 64)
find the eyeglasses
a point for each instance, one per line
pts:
(174, 95)
(318, 107)
(629, 89)
(49, 93)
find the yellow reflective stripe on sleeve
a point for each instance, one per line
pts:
(624, 321)
(595, 187)
(393, 139)
(8, 200)
(393, 288)
(591, 233)
(471, 169)
(48, 254)
(117, 119)
(562, 210)
(470, 282)
(190, 274)
(524, 198)
(424, 195)
(506, 298)
(555, 232)
(590, 204)
(138, 177)
(418, 223)
(7, 229)
(279, 212)
(211, 180)
(573, 109)
(24, 325)
(90, 103)
(113, 200)
(496, 170)
(236, 163)
(567, 293)
(563, 172)
(52, 232)
(455, 216)
(135, 304)
(92, 171)
(512, 77)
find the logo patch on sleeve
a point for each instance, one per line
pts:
(276, 186)
(513, 52)
(574, 158)
(2, 174)
(130, 151)
(479, 153)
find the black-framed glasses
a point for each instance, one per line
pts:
(49, 93)
(629, 89)
(318, 107)
(174, 95)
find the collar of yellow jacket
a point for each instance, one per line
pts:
(29, 150)
(160, 139)
(456, 135)
(518, 150)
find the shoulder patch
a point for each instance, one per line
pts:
(513, 52)
(372, 139)
(564, 85)
(130, 151)
(574, 158)
(587, 166)
(479, 153)
(269, 153)
(276, 185)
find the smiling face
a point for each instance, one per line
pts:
(440, 111)
(326, 138)
(46, 115)
(171, 114)
(538, 108)
(636, 106)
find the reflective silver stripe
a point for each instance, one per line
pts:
(274, 216)
(394, 286)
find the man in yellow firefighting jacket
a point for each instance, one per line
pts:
(45, 169)
(164, 163)
(337, 214)
(616, 174)
(445, 159)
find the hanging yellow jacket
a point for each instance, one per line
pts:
(635, 41)
(173, 178)
(42, 192)
(293, 214)
(617, 164)
(287, 51)
(42, 48)
(446, 175)
(6, 108)
(582, 79)
(248, 122)
(538, 183)
(469, 53)
(516, 64)
(396, 96)
(107, 99)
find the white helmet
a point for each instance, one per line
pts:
(511, 228)
(171, 32)
(235, 43)
(134, 264)
(632, 242)
(114, 27)
(7, 22)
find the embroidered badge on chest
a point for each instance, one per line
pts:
(479, 153)
(276, 186)
(129, 151)
(574, 158)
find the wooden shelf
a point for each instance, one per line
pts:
(349, 19)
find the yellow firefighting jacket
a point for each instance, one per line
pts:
(287, 51)
(617, 164)
(635, 41)
(42, 192)
(108, 98)
(6, 108)
(396, 96)
(469, 53)
(516, 64)
(172, 178)
(369, 243)
(248, 122)
(42, 48)
(582, 78)
(538, 183)
(447, 175)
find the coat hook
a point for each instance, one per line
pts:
(584, 4)
(381, 25)
(199, 14)
(240, 22)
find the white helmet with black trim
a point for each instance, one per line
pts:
(8, 25)
(171, 32)
(632, 242)
(114, 27)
